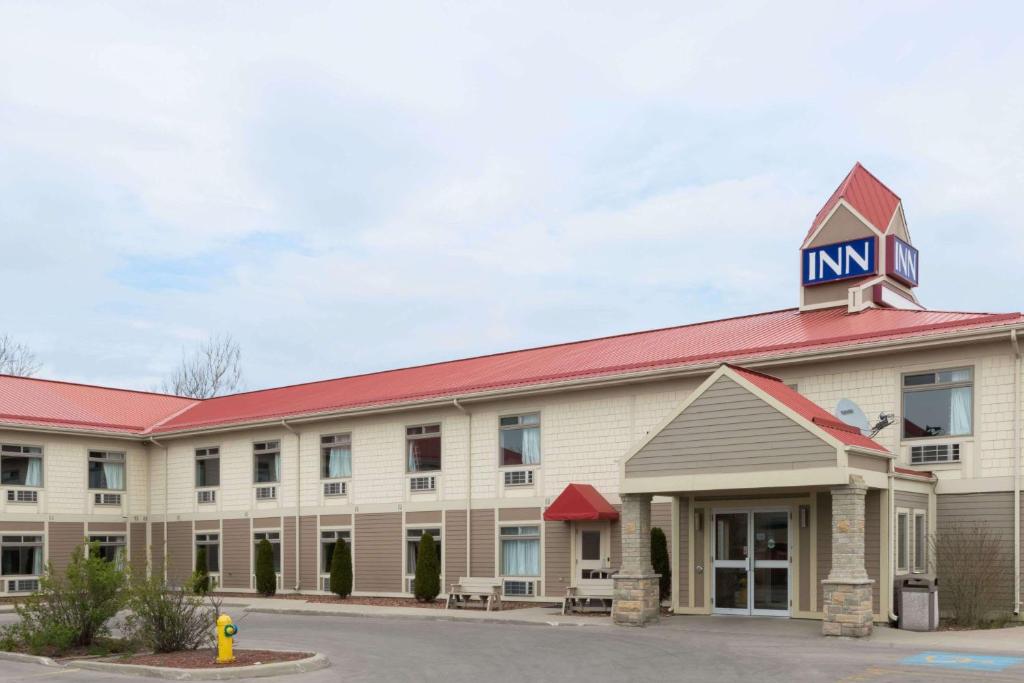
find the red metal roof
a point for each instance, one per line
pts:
(865, 193)
(743, 339)
(580, 502)
(809, 410)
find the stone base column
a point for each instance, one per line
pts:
(636, 599)
(848, 608)
(848, 589)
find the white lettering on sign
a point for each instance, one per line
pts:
(902, 261)
(839, 261)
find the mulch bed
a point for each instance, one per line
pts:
(377, 602)
(207, 659)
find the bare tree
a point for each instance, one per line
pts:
(973, 566)
(213, 369)
(16, 358)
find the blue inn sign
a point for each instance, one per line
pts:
(839, 261)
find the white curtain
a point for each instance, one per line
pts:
(119, 557)
(413, 460)
(960, 411)
(520, 557)
(34, 475)
(113, 473)
(37, 561)
(531, 446)
(277, 467)
(339, 463)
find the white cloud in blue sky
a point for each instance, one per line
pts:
(351, 187)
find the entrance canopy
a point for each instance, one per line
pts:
(579, 502)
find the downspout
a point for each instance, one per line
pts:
(298, 498)
(469, 486)
(164, 568)
(892, 539)
(1016, 471)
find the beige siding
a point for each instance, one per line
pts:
(378, 552)
(698, 560)
(156, 549)
(683, 541)
(266, 523)
(207, 524)
(454, 546)
(868, 462)
(107, 527)
(309, 549)
(62, 539)
(804, 560)
(236, 553)
(994, 512)
(616, 540)
(728, 429)
(288, 553)
(557, 571)
(137, 550)
(179, 552)
(335, 520)
(519, 514)
(22, 526)
(824, 540)
(661, 517)
(423, 517)
(482, 553)
(873, 543)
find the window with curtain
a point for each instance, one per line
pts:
(938, 404)
(327, 540)
(21, 465)
(412, 547)
(275, 544)
(208, 466)
(520, 551)
(106, 470)
(519, 439)
(21, 555)
(423, 448)
(212, 544)
(266, 462)
(336, 456)
(111, 548)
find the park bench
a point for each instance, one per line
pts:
(469, 588)
(578, 598)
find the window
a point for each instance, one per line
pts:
(212, 544)
(21, 555)
(111, 548)
(520, 551)
(207, 466)
(920, 542)
(336, 456)
(423, 447)
(21, 465)
(519, 437)
(902, 541)
(938, 404)
(327, 541)
(412, 547)
(266, 461)
(275, 543)
(106, 470)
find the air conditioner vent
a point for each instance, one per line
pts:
(933, 453)
(335, 488)
(266, 492)
(519, 478)
(107, 498)
(418, 484)
(207, 496)
(22, 496)
(519, 588)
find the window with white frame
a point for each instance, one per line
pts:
(412, 547)
(423, 448)
(903, 541)
(21, 555)
(266, 462)
(111, 547)
(21, 465)
(938, 404)
(274, 537)
(106, 470)
(210, 542)
(336, 456)
(520, 550)
(328, 541)
(920, 542)
(519, 437)
(207, 466)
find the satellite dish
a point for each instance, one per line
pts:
(851, 414)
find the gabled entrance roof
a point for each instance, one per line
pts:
(580, 502)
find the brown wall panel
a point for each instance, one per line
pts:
(992, 511)
(824, 541)
(62, 539)
(288, 553)
(423, 517)
(308, 553)
(454, 547)
(335, 520)
(266, 523)
(482, 553)
(156, 548)
(557, 571)
(207, 524)
(22, 526)
(661, 517)
(804, 560)
(698, 558)
(519, 514)
(683, 541)
(236, 553)
(137, 550)
(378, 552)
(873, 543)
(107, 527)
(179, 552)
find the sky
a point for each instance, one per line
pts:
(347, 187)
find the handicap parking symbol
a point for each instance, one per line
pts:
(962, 661)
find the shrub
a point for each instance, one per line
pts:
(341, 569)
(201, 578)
(169, 619)
(266, 578)
(69, 610)
(661, 563)
(427, 584)
(972, 567)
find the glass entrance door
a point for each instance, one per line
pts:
(751, 562)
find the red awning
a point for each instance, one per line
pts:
(580, 502)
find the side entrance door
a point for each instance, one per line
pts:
(592, 551)
(751, 562)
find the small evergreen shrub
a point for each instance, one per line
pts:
(341, 569)
(660, 562)
(427, 584)
(201, 578)
(164, 619)
(266, 578)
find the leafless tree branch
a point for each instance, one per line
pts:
(16, 358)
(213, 369)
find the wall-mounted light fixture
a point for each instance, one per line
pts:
(698, 519)
(805, 515)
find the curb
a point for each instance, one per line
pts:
(420, 617)
(30, 659)
(314, 663)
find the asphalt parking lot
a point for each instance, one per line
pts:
(390, 649)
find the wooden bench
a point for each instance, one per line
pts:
(577, 598)
(487, 590)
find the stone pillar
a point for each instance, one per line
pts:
(636, 585)
(848, 589)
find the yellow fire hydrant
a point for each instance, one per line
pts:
(226, 631)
